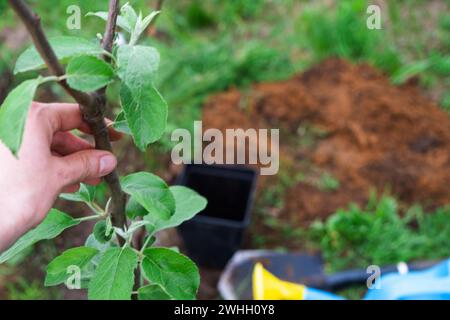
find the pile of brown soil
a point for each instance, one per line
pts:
(373, 136)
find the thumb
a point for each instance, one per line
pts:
(86, 164)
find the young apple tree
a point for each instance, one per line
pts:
(109, 265)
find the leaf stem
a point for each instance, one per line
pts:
(110, 56)
(89, 218)
(145, 244)
(140, 254)
(97, 209)
(54, 78)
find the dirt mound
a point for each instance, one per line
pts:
(350, 122)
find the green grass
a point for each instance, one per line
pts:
(23, 289)
(343, 32)
(355, 292)
(379, 234)
(382, 233)
(403, 48)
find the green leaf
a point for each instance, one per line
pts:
(136, 62)
(129, 15)
(20, 257)
(175, 249)
(52, 226)
(121, 22)
(187, 204)
(140, 26)
(14, 112)
(89, 270)
(88, 73)
(144, 108)
(151, 192)
(91, 242)
(145, 111)
(86, 194)
(101, 232)
(65, 48)
(134, 209)
(174, 272)
(121, 124)
(114, 277)
(57, 269)
(146, 21)
(149, 241)
(152, 292)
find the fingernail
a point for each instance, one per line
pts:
(107, 164)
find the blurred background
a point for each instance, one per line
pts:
(363, 117)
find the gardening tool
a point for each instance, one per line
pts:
(430, 284)
(236, 281)
(303, 278)
(268, 287)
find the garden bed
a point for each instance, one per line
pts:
(345, 131)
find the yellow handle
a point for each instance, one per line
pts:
(266, 286)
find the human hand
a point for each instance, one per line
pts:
(51, 160)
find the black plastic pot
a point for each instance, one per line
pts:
(215, 234)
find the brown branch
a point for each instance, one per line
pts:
(110, 31)
(92, 105)
(119, 199)
(159, 5)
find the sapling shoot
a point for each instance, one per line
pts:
(109, 261)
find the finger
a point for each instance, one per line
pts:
(67, 116)
(76, 186)
(65, 143)
(61, 116)
(92, 181)
(71, 189)
(84, 165)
